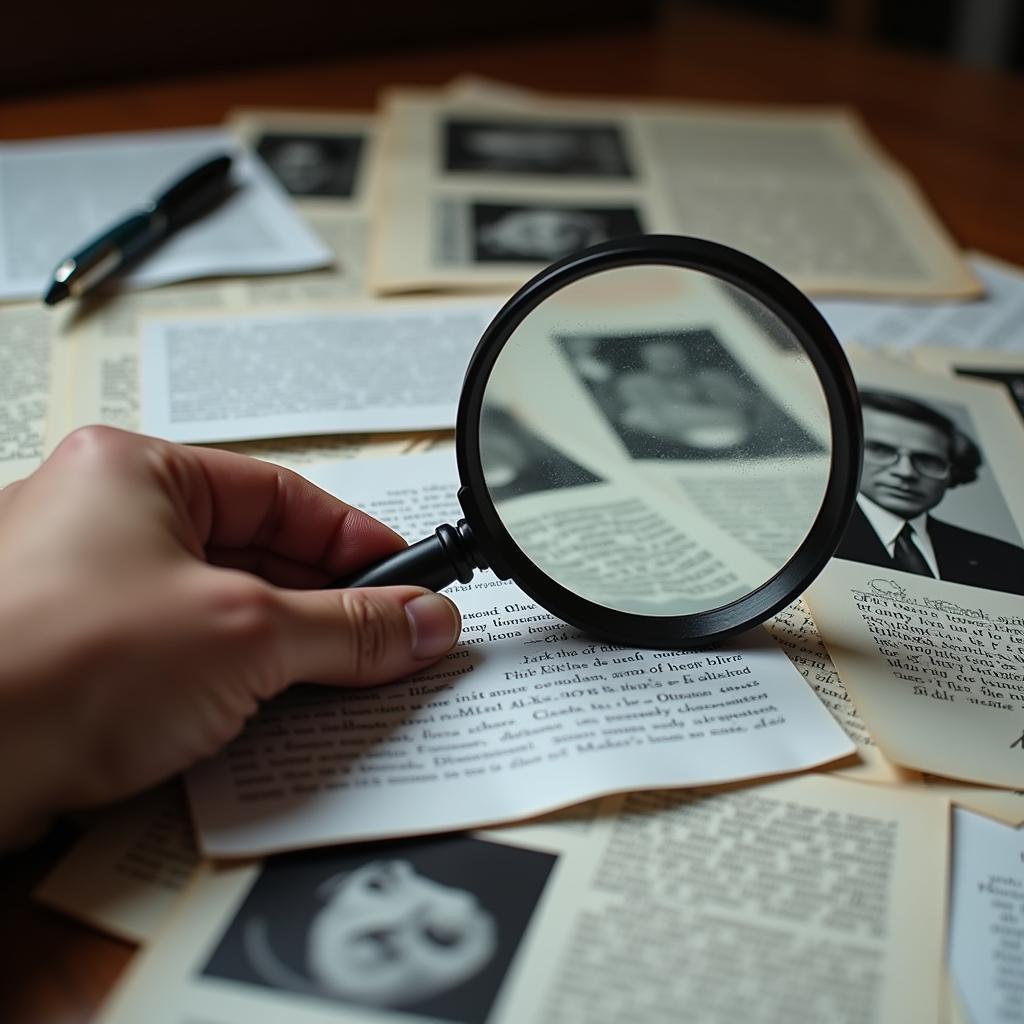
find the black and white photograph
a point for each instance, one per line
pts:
(541, 232)
(311, 164)
(1012, 380)
(928, 504)
(681, 395)
(502, 146)
(516, 461)
(426, 927)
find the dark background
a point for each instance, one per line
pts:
(47, 46)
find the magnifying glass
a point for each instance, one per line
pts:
(658, 440)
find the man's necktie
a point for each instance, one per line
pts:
(907, 556)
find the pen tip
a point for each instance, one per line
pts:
(57, 291)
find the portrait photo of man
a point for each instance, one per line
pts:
(913, 455)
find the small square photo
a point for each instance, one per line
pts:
(427, 927)
(311, 164)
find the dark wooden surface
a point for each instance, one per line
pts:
(959, 132)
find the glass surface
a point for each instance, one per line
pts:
(655, 440)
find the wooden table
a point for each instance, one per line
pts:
(958, 131)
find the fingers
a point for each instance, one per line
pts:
(226, 500)
(249, 503)
(364, 636)
(282, 572)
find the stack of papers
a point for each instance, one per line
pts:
(565, 829)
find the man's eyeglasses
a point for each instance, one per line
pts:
(879, 454)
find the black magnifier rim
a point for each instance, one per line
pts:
(819, 344)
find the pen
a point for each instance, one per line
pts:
(129, 239)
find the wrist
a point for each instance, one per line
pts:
(32, 767)
(36, 755)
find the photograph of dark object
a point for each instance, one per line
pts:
(681, 395)
(313, 165)
(428, 927)
(506, 232)
(531, 147)
(517, 462)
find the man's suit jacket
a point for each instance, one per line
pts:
(963, 556)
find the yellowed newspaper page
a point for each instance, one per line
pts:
(481, 196)
(325, 162)
(95, 343)
(922, 610)
(812, 899)
(27, 345)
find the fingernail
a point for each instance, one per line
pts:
(435, 625)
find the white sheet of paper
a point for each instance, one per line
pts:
(995, 321)
(987, 918)
(375, 367)
(58, 194)
(524, 716)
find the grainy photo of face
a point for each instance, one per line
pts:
(313, 165)
(427, 927)
(928, 505)
(681, 395)
(526, 147)
(504, 232)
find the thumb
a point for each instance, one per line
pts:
(366, 635)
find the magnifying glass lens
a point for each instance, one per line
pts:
(655, 440)
(659, 441)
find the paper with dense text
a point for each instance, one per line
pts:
(524, 716)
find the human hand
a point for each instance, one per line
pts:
(154, 594)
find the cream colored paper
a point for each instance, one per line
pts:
(1005, 805)
(1003, 370)
(794, 631)
(810, 899)
(27, 350)
(936, 668)
(340, 219)
(809, 193)
(125, 874)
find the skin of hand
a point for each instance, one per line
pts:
(153, 595)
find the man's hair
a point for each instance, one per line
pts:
(964, 456)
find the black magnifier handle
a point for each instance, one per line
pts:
(436, 562)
